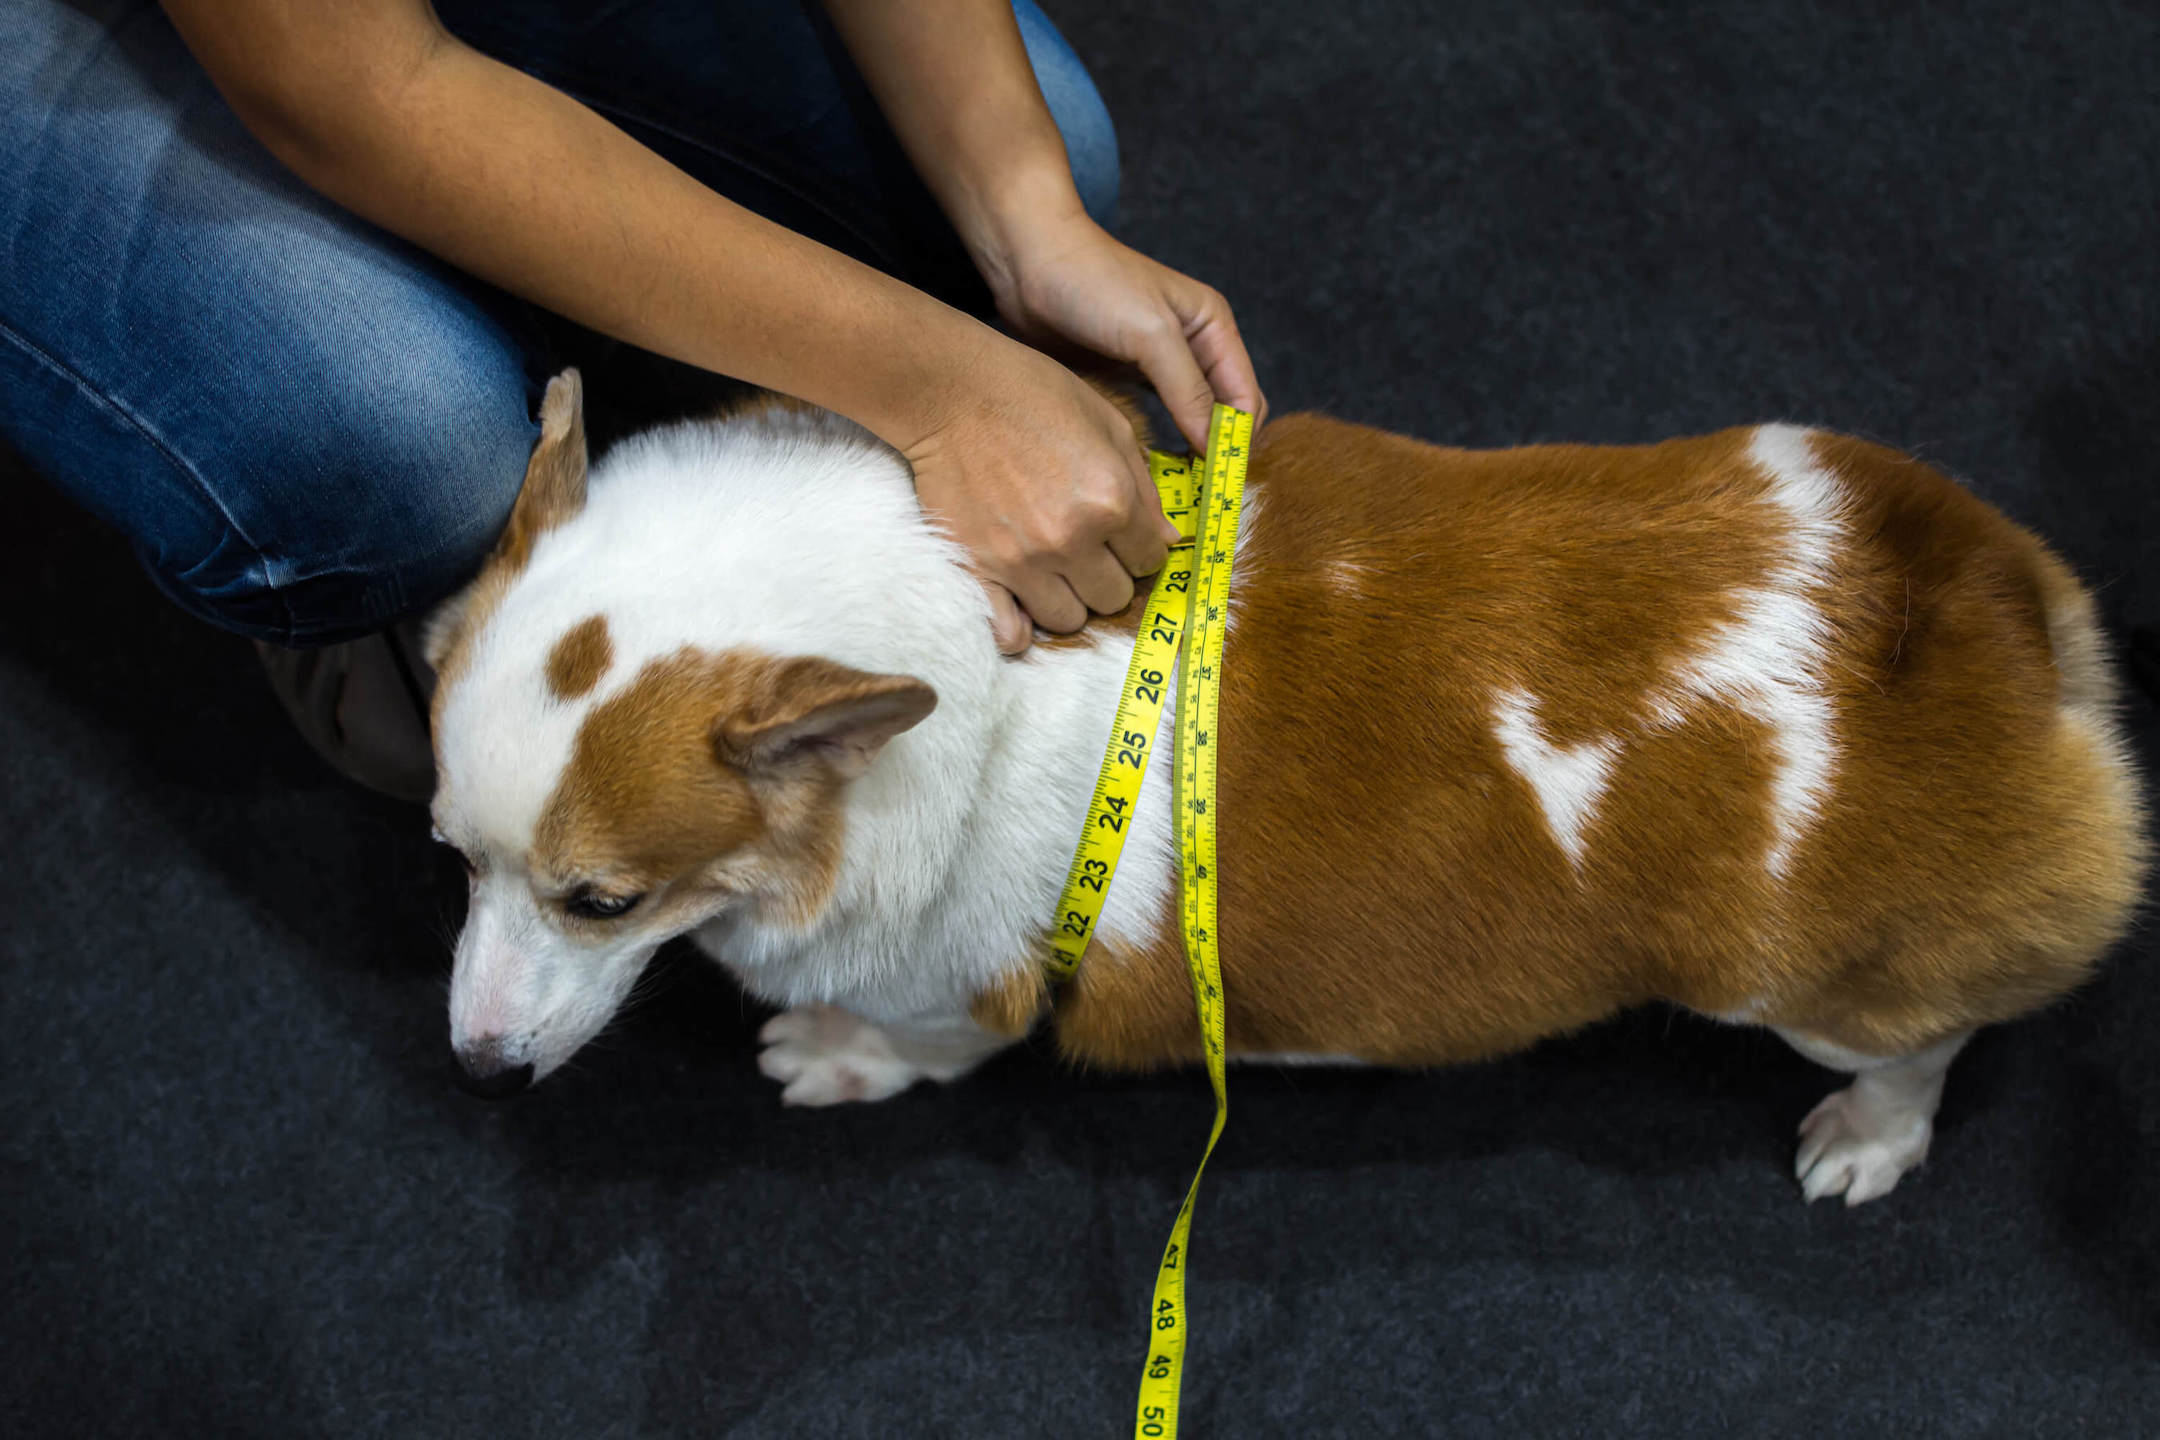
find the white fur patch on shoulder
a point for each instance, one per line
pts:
(1568, 783)
(1767, 662)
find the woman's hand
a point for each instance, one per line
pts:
(1038, 476)
(954, 79)
(1042, 480)
(1061, 277)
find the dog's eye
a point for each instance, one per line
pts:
(594, 906)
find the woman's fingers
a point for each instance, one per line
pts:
(1196, 356)
(1049, 600)
(1212, 333)
(1147, 534)
(1167, 361)
(1101, 580)
(1008, 622)
(1074, 283)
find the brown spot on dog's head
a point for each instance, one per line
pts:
(719, 775)
(580, 658)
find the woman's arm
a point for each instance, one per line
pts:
(953, 78)
(373, 103)
(378, 107)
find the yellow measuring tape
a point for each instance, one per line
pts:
(1140, 706)
(1198, 582)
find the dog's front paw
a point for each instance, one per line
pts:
(1858, 1149)
(822, 1055)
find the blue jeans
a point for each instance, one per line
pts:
(307, 428)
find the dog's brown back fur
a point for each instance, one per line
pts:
(1390, 886)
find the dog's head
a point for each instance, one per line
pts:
(608, 791)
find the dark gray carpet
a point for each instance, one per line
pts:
(242, 1197)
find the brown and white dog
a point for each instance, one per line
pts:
(1776, 725)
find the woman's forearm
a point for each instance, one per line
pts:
(953, 78)
(521, 185)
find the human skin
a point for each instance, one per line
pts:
(376, 105)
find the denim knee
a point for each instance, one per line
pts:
(305, 427)
(330, 500)
(426, 501)
(312, 499)
(404, 487)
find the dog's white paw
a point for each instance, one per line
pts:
(822, 1055)
(1858, 1149)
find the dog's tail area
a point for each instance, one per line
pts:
(2085, 671)
(2089, 698)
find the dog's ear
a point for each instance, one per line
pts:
(553, 492)
(554, 489)
(814, 711)
(439, 631)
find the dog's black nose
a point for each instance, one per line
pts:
(490, 1081)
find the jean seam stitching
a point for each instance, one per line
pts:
(156, 442)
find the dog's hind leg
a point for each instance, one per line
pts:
(1859, 1140)
(824, 1055)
